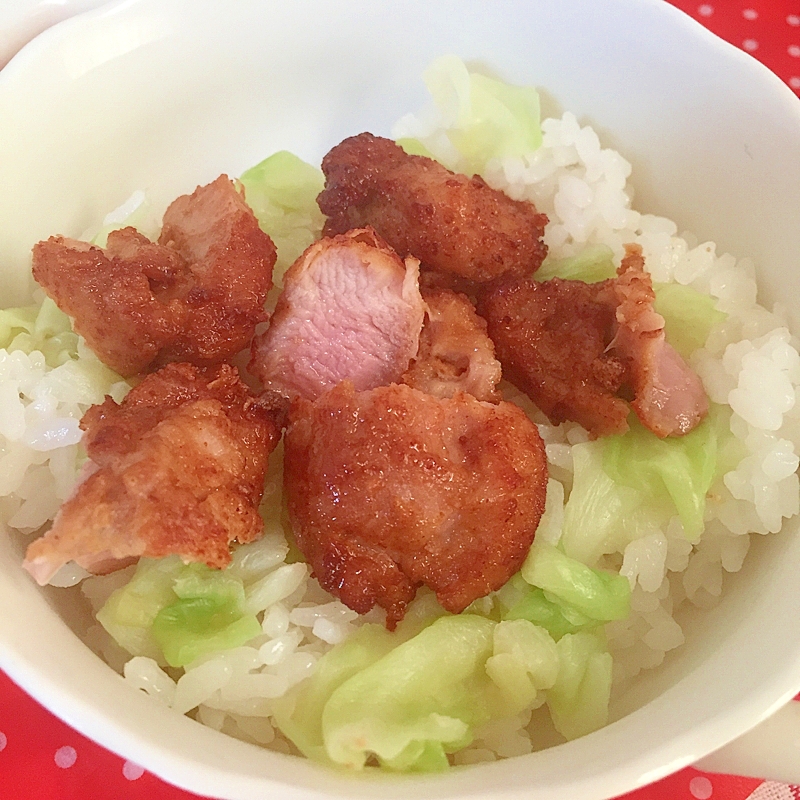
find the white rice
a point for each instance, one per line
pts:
(749, 362)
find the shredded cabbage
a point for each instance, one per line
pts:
(602, 516)
(688, 315)
(44, 328)
(175, 612)
(524, 662)
(485, 118)
(408, 702)
(282, 191)
(593, 264)
(578, 701)
(674, 473)
(593, 593)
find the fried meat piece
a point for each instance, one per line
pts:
(177, 468)
(581, 350)
(668, 396)
(350, 309)
(455, 353)
(197, 295)
(552, 339)
(392, 488)
(451, 223)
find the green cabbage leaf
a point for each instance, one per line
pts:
(175, 612)
(282, 191)
(593, 264)
(674, 473)
(578, 700)
(688, 315)
(44, 328)
(485, 118)
(578, 592)
(405, 702)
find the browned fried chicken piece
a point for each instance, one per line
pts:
(393, 488)
(177, 468)
(197, 295)
(668, 396)
(455, 353)
(581, 350)
(451, 223)
(350, 309)
(552, 339)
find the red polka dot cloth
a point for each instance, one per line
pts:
(767, 29)
(43, 759)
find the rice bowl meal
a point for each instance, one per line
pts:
(412, 448)
(638, 529)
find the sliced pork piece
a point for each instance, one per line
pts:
(581, 350)
(197, 295)
(455, 353)
(350, 309)
(451, 223)
(392, 488)
(668, 396)
(177, 468)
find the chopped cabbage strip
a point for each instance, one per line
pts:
(593, 264)
(282, 191)
(578, 701)
(688, 315)
(175, 612)
(675, 472)
(485, 118)
(603, 596)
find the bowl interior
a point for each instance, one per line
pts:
(162, 95)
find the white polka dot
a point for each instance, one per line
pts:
(65, 757)
(750, 45)
(794, 81)
(700, 787)
(793, 20)
(3, 741)
(794, 50)
(750, 13)
(705, 10)
(132, 771)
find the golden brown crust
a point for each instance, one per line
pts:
(451, 223)
(179, 468)
(580, 351)
(552, 339)
(195, 296)
(392, 488)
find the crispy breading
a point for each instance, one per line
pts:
(197, 295)
(451, 223)
(580, 351)
(177, 468)
(393, 488)
(455, 352)
(552, 338)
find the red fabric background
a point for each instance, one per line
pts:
(767, 29)
(43, 759)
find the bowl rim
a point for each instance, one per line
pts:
(88, 717)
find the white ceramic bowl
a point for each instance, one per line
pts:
(21, 20)
(165, 94)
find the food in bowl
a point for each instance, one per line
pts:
(537, 659)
